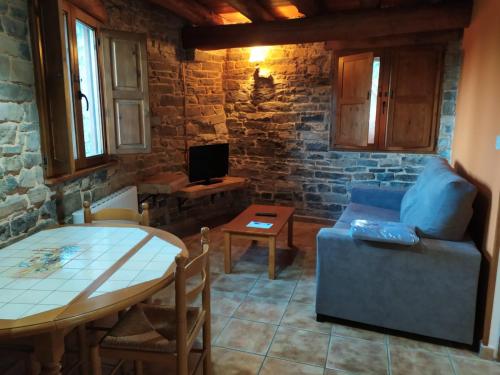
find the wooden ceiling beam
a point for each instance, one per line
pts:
(369, 4)
(192, 11)
(434, 37)
(352, 25)
(307, 7)
(251, 10)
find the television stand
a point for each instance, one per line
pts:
(195, 191)
(210, 181)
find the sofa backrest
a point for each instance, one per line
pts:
(439, 205)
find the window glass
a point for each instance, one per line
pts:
(89, 89)
(373, 100)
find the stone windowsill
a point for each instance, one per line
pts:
(80, 173)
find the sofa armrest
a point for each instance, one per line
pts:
(379, 197)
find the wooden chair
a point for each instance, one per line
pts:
(165, 334)
(116, 214)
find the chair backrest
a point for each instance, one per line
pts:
(116, 214)
(185, 270)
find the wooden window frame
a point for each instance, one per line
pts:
(54, 99)
(384, 90)
(73, 14)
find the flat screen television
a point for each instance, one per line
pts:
(209, 162)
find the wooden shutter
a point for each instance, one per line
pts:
(126, 92)
(414, 98)
(353, 100)
(53, 81)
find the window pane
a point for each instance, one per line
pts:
(89, 86)
(373, 100)
(70, 81)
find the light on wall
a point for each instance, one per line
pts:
(258, 54)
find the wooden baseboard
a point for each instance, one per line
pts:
(313, 219)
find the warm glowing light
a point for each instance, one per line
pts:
(264, 73)
(258, 54)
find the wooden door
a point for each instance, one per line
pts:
(353, 100)
(126, 92)
(414, 98)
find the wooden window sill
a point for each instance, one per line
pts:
(80, 173)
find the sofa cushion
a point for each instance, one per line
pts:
(439, 205)
(356, 211)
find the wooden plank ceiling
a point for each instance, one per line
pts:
(219, 23)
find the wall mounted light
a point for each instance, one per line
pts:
(258, 54)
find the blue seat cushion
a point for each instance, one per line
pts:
(355, 211)
(439, 205)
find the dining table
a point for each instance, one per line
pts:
(64, 277)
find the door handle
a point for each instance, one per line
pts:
(81, 96)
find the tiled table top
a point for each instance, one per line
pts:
(54, 267)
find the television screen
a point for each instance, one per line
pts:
(210, 161)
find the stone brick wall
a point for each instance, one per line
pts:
(279, 131)
(25, 202)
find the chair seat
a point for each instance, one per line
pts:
(149, 328)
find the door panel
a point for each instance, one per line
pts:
(414, 98)
(353, 100)
(126, 92)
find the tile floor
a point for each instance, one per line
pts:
(269, 327)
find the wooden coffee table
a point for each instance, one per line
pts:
(237, 228)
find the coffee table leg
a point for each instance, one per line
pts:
(272, 257)
(290, 232)
(227, 252)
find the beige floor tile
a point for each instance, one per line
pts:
(330, 371)
(274, 366)
(225, 303)
(300, 315)
(305, 293)
(248, 336)
(406, 361)
(218, 322)
(463, 353)
(231, 362)
(346, 331)
(357, 356)
(301, 346)
(249, 268)
(279, 289)
(418, 345)
(260, 309)
(233, 283)
(464, 366)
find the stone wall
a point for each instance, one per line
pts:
(186, 104)
(279, 130)
(25, 202)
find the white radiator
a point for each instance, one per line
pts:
(123, 198)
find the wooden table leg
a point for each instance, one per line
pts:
(272, 257)
(227, 252)
(49, 349)
(290, 231)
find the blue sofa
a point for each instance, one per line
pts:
(427, 289)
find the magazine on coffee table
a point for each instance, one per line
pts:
(259, 225)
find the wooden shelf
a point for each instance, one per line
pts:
(163, 183)
(227, 184)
